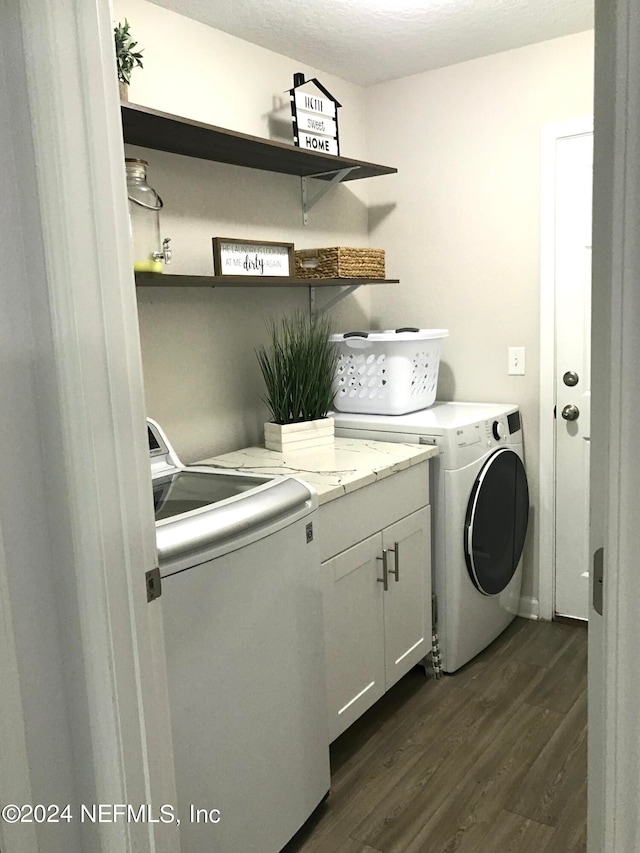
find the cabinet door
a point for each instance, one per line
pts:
(353, 613)
(407, 603)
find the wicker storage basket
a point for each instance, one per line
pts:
(339, 262)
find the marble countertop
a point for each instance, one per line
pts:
(333, 470)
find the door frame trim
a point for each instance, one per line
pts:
(614, 637)
(85, 454)
(551, 134)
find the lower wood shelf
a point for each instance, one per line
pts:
(149, 279)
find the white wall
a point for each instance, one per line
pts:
(460, 221)
(201, 376)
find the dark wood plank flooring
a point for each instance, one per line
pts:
(491, 759)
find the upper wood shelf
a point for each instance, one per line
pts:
(165, 132)
(150, 279)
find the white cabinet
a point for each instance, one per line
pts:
(374, 635)
(407, 601)
(354, 633)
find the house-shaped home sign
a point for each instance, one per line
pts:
(314, 112)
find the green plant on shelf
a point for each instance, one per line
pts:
(298, 365)
(126, 57)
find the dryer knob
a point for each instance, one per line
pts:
(498, 430)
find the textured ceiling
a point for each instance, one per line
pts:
(369, 41)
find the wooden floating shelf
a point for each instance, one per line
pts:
(150, 279)
(165, 132)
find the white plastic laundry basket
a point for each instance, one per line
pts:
(389, 372)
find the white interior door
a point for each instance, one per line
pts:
(82, 666)
(574, 178)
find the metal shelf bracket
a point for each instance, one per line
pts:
(308, 203)
(316, 312)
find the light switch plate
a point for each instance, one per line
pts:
(516, 361)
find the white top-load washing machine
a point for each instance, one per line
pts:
(480, 506)
(242, 618)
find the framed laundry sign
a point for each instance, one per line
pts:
(251, 257)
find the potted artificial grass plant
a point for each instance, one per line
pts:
(298, 365)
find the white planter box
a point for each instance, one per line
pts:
(298, 436)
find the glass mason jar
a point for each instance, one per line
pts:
(144, 215)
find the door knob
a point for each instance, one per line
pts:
(571, 412)
(570, 378)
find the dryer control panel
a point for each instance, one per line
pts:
(502, 428)
(465, 444)
(463, 432)
(496, 431)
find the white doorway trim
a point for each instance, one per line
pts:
(15, 782)
(614, 637)
(84, 688)
(546, 542)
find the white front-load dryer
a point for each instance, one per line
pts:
(480, 507)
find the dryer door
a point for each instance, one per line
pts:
(496, 521)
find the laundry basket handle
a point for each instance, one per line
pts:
(406, 329)
(355, 335)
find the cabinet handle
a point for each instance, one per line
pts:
(396, 551)
(385, 570)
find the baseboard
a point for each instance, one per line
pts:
(570, 620)
(529, 607)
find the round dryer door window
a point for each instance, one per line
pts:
(496, 522)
